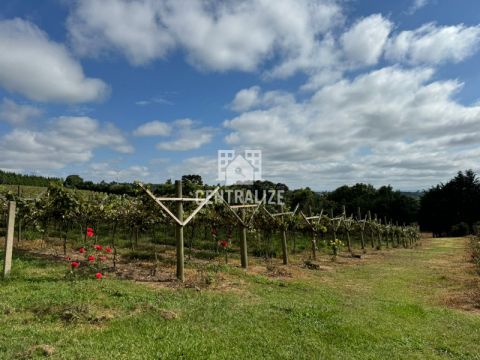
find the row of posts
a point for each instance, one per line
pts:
(7, 265)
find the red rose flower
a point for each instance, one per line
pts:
(90, 232)
(98, 247)
(81, 250)
(91, 258)
(98, 275)
(108, 249)
(75, 264)
(223, 243)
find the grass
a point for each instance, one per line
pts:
(391, 306)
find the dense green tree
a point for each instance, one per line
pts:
(193, 179)
(73, 181)
(444, 207)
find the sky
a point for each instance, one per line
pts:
(332, 92)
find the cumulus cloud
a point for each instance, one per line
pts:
(213, 34)
(66, 140)
(131, 27)
(188, 136)
(293, 36)
(247, 99)
(371, 128)
(42, 70)
(153, 128)
(433, 44)
(363, 42)
(17, 114)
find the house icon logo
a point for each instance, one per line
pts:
(239, 169)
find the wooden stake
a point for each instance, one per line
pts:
(362, 238)
(19, 221)
(284, 240)
(371, 229)
(179, 240)
(243, 243)
(387, 232)
(347, 229)
(7, 265)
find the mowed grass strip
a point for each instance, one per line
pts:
(389, 307)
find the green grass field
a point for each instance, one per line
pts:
(400, 304)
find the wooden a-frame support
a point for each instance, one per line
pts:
(179, 219)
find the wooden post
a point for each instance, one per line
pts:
(284, 247)
(314, 237)
(243, 243)
(19, 220)
(371, 229)
(387, 232)
(7, 265)
(362, 228)
(284, 240)
(333, 225)
(180, 249)
(347, 230)
(397, 235)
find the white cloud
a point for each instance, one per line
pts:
(40, 69)
(67, 140)
(131, 27)
(188, 136)
(432, 44)
(17, 114)
(389, 125)
(417, 5)
(292, 36)
(153, 128)
(247, 99)
(154, 100)
(217, 39)
(363, 43)
(213, 34)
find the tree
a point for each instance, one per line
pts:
(73, 181)
(444, 207)
(193, 179)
